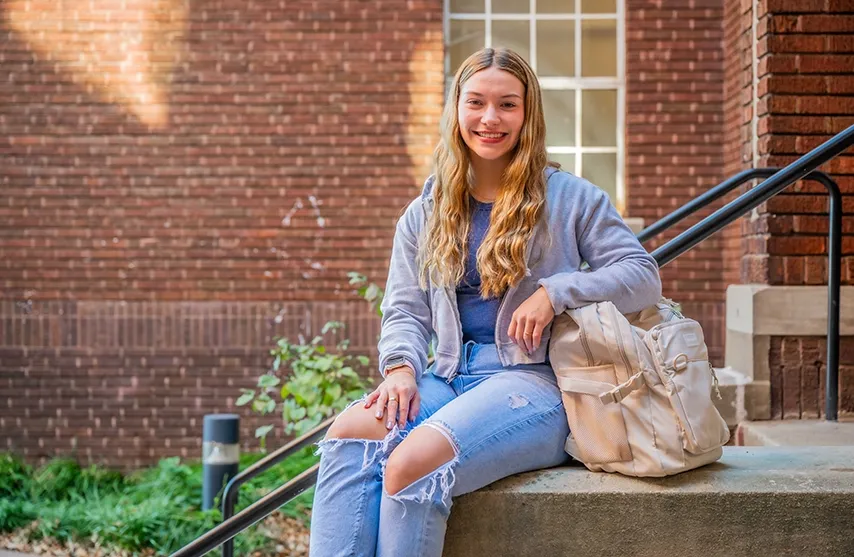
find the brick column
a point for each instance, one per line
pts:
(803, 94)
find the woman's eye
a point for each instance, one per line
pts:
(474, 102)
(509, 105)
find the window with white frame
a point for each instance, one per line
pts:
(576, 49)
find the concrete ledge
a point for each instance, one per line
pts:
(796, 433)
(755, 501)
(759, 309)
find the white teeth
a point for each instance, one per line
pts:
(490, 135)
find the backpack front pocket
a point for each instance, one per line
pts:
(688, 379)
(598, 429)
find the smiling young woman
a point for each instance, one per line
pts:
(482, 261)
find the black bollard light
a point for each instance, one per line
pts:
(220, 454)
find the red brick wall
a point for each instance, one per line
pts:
(674, 133)
(806, 94)
(176, 178)
(738, 129)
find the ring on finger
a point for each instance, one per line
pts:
(392, 399)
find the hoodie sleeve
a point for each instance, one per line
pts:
(621, 270)
(407, 319)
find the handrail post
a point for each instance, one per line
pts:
(834, 280)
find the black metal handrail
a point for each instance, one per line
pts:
(663, 255)
(259, 510)
(232, 489)
(834, 257)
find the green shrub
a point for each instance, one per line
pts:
(15, 477)
(156, 508)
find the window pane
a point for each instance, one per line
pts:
(467, 37)
(599, 47)
(511, 6)
(598, 6)
(556, 6)
(601, 169)
(467, 6)
(599, 118)
(559, 109)
(555, 48)
(515, 35)
(566, 160)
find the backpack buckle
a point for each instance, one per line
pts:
(680, 363)
(614, 396)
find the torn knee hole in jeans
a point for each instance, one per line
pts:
(375, 449)
(424, 489)
(442, 478)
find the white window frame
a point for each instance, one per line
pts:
(577, 84)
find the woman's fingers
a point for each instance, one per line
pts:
(529, 336)
(405, 404)
(537, 336)
(523, 333)
(382, 399)
(372, 398)
(527, 332)
(414, 407)
(393, 403)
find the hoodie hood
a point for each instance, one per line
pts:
(427, 190)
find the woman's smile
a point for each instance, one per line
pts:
(490, 138)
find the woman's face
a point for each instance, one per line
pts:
(491, 113)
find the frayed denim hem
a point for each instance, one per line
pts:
(424, 490)
(375, 450)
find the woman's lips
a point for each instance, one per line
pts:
(490, 137)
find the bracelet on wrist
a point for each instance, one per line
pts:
(403, 367)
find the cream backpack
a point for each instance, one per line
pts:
(637, 390)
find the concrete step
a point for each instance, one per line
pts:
(741, 397)
(777, 501)
(776, 433)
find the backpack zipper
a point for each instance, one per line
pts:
(586, 347)
(715, 382)
(620, 341)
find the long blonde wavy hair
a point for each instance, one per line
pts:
(520, 201)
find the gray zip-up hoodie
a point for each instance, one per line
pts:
(579, 224)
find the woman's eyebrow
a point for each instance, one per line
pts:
(476, 94)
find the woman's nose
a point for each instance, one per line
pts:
(490, 115)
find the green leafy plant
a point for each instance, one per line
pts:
(372, 293)
(308, 381)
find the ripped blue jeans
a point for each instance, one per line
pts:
(500, 421)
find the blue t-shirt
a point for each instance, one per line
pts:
(478, 317)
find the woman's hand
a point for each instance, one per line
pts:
(399, 393)
(529, 320)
